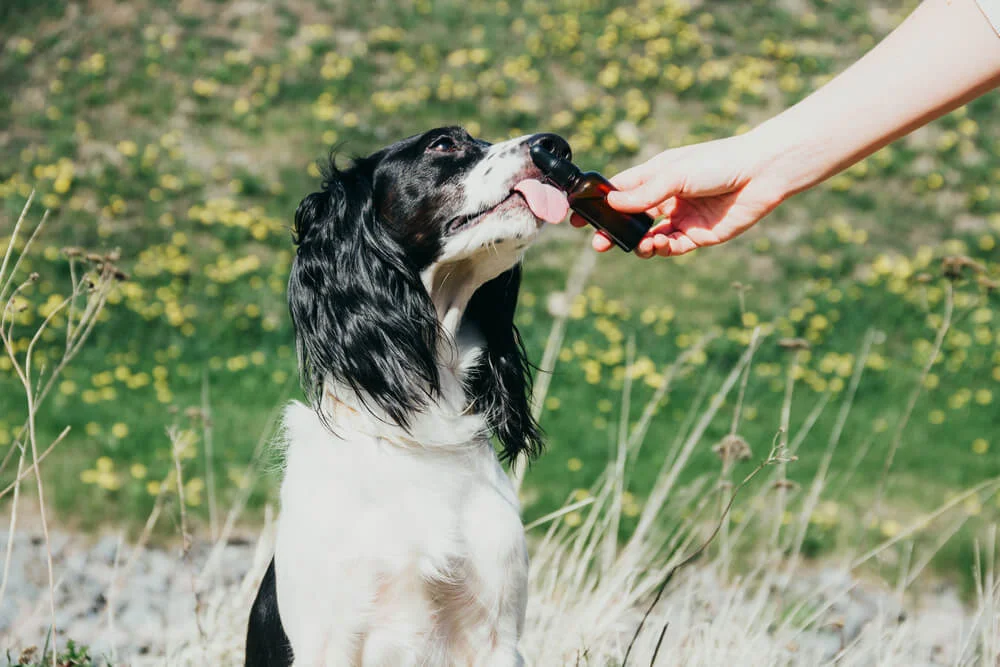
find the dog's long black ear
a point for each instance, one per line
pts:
(362, 316)
(500, 383)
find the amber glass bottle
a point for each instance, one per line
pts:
(587, 193)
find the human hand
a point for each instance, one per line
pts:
(708, 193)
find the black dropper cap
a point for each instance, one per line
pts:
(562, 173)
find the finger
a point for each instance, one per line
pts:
(601, 242)
(633, 177)
(645, 248)
(652, 193)
(661, 243)
(679, 243)
(664, 208)
(577, 221)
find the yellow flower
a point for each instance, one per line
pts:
(552, 403)
(127, 148)
(119, 430)
(890, 528)
(205, 87)
(573, 519)
(936, 417)
(574, 464)
(138, 470)
(980, 446)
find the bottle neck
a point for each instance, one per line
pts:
(566, 178)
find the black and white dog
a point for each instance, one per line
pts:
(400, 540)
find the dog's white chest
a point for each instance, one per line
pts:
(386, 555)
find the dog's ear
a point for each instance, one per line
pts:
(500, 383)
(362, 316)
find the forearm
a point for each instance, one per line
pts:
(943, 55)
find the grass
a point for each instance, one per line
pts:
(184, 135)
(704, 575)
(712, 572)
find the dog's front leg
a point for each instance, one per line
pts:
(324, 611)
(498, 577)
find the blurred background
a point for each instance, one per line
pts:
(185, 132)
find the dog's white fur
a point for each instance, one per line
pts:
(399, 548)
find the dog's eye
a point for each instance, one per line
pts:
(443, 145)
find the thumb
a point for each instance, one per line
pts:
(647, 195)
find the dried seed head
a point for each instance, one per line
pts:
(785, 485)
(732, 448)
(33, 276)
(94, 257)
(923, 278)
(114, 255)
(954, 265)
(988, 283)
(794, 343)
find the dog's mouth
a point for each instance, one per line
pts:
(545, 202)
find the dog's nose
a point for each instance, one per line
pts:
(553, 143)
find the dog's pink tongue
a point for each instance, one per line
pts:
(546, 202)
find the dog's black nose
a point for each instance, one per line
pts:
(553, 143)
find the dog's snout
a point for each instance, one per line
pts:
(553, 143)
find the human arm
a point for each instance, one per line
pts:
(943, 55)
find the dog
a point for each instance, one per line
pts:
(400, 540)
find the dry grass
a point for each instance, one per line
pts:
(690, 586)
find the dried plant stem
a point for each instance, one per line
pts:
(725, 471)
(897, 438)
(992, 484)
(209, 451)
(774, 456)
(672, 469)
(786, 417)
(31, 468)
(819, 480)
(610, 547)
(12, 528)
(638, 434)
(251, 473)
(575, 282)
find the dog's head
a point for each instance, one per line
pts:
(412, 244)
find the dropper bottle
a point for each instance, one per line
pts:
(587, 194)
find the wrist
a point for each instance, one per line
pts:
(785, 162)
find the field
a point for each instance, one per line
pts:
(184, 134)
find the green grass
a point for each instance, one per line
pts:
(187, 139)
